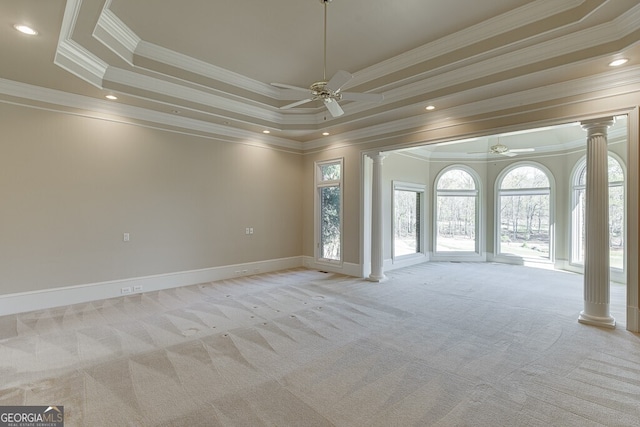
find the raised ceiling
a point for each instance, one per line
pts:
(206, 66)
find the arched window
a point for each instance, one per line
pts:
(524, 213)
(616, 213)
(456, 211)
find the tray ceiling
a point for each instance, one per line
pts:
(207, 66)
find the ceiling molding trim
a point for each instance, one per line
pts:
(88, 104)
(180, 61)
(71, 56)
(629, 20)
(79, 61)
(556, 48)
(174, 90)
(524, 15)
(609, 82)
(124, 38)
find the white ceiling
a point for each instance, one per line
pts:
(207, 65)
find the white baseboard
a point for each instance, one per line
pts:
(346, 268)
(50, 298)
(404, 261)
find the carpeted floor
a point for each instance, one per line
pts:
(439, 344)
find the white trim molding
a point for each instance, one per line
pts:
(57, 297)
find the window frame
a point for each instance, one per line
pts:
(479, 227)
(535, 191)
(422, 190)
(575, 218)
(319, 184)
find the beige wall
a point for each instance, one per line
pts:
(70, 186)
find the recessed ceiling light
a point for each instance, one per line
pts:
(430, 107)
(266, 131)
(618, 62)
(326, 133)
(111, 97)
(25, 30)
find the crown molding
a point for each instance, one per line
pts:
(99, 108)
(79, 61)
(614, 82)
(588, 88)
(115, 35)
(524, 15)
(187, 63)
(187, 94)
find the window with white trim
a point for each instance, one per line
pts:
(616, 213)
(408, 202)
(524, 213)
(456, 213)
(329, 183)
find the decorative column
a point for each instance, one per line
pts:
(377, 248)
(596, 260)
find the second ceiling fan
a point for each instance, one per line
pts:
(327, 91)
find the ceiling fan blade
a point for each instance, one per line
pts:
(508, 154)
(338, 80)
(285, 86)
(366, 97)
(522, 150)
(333, 107)
(295, 104)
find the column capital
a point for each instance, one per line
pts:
(376, 156)
(597, 126)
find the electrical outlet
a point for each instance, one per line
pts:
(126, 290)
(137, 288)
(125, 237)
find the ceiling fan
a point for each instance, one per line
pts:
(505, 151)
(327, 91)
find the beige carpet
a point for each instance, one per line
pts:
(439, 344)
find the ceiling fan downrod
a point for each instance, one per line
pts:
(324, 70)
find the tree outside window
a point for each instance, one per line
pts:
(524, 213)
(329, 186)
(616, 214)
(456, 212)
(407, 206)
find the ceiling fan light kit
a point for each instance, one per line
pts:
(328, 92)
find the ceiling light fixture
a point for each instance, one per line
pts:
(430, 107)
(266, 131)
(326, 133)
(111, 97)
(24, 29)
(618, 62)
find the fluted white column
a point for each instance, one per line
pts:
(377, 248)
(596, 260)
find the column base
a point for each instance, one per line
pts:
(603, 322)
(376, 278)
